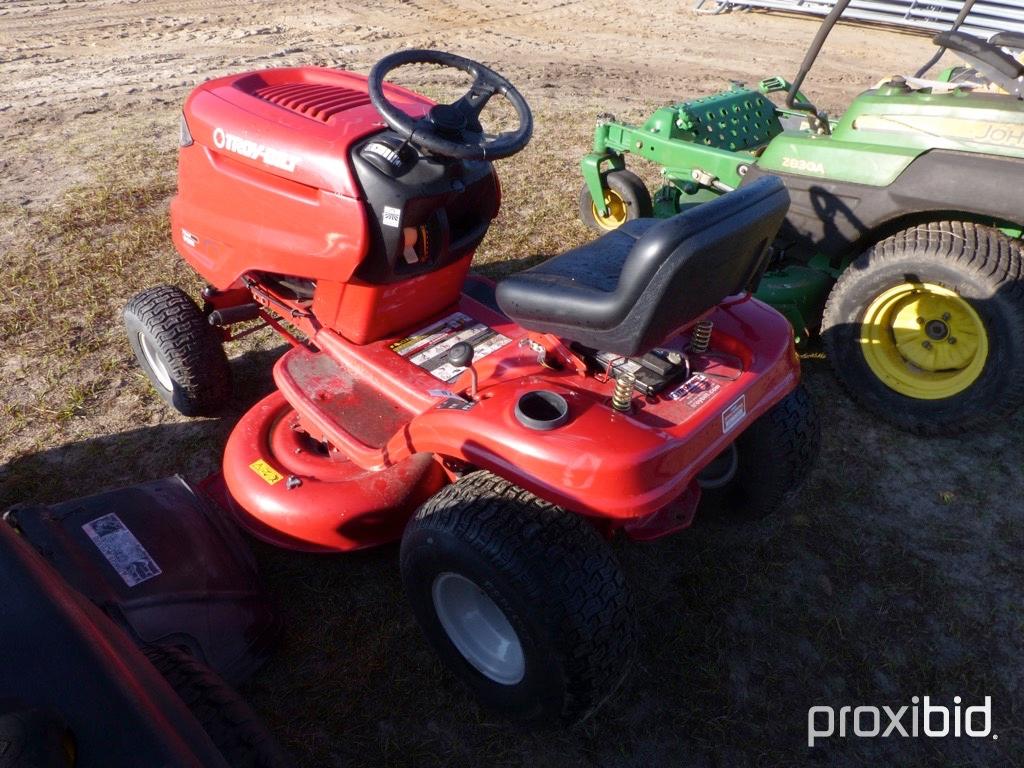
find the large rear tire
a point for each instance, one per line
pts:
(178, 350)
(926, 328)
(767, 464)
(228, 720)
(626, 196)
(521, 600)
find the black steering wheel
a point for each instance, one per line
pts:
(453, 130)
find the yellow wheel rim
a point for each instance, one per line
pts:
(924, 341)
(618, 211)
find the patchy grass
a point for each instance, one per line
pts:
(68, 269)
(896, 573)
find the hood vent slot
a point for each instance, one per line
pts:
(317, 102)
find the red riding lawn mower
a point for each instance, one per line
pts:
(503, 433)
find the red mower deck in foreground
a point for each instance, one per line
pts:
(384, 416)
(503, 432)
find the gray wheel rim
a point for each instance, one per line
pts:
(156, 365)
(724, 476)
(478, 628)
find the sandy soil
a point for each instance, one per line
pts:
(896, 573)
(89, 76)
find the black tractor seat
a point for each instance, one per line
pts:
(1008, 40)
(990, 60)
(631, 289)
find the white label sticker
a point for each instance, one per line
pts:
(734, 414)
(428, 348)
(122, 550)
(695, 391)
(391, 216)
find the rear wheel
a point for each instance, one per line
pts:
(926, 329)
(625, 195)
(521, 600)
(767, 464)
(178, 350)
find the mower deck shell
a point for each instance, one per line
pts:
(60, 652)
(197, 586)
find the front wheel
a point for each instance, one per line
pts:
(626, 197)
(521, 600)
(178, 350)
(926, 328)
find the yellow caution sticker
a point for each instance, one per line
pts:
(270, 475)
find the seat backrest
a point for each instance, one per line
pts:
(991, 61)
(683, 266)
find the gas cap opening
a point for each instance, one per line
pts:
(542, 409)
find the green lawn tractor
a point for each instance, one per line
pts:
(903, 243)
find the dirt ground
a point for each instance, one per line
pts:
(896, 573)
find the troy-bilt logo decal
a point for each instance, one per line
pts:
(276, 158)
(807, 166)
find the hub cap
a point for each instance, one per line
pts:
(478, 628)
(924, 341)
(618, 211)
(163, 376)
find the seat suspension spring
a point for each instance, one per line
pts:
(622, 397)
(701, 338)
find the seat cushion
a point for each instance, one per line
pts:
(630, 289)
(575, 286)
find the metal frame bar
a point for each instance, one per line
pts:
(985, 19)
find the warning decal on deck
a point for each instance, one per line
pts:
(428, 348)
(122, 550)
(268, 473)
(695, 391)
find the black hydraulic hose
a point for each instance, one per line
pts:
(812, 55)
(968, 5)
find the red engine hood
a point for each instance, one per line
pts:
(296, 123)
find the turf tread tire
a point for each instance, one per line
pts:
(228, 720)
(776, 454)
(991, 270)
(628, 186)
(188, 346)
(561, 567)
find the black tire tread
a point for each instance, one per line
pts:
(790, 434)
(627, 185)
(228, 720)
(978, 250)
(776, 454)
(527, 535)
(195, 356)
